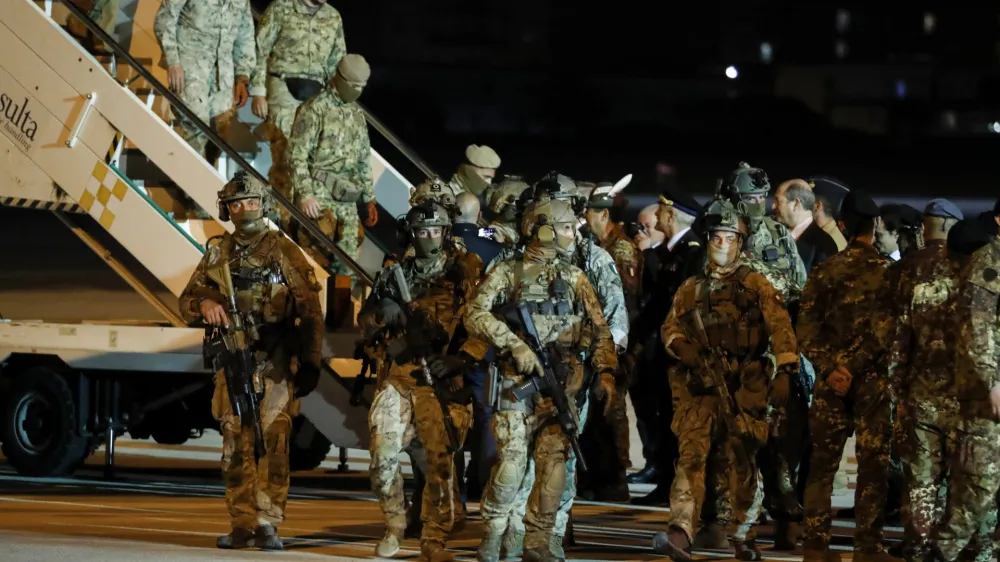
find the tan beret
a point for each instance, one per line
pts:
(354, 68)
(482, 156)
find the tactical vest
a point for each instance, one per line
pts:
(438, 295)
(732, 317)
(767, 245)
(551, 298)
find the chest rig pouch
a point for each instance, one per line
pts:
(732, 317)
(262, 291)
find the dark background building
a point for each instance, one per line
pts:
(899, 99)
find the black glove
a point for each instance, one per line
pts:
(306, 380)
(390, 314)
(447, 366)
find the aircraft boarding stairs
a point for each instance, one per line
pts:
(85, 134)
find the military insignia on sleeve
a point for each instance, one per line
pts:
(990, 274)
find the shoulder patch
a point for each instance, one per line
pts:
(300, 126)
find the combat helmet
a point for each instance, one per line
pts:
(550, 212)
(244, 185)
(503, 198)
(745, 181)
(559, 186)
(437, 190)
(722, 215)
(427, 214)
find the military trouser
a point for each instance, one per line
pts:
(340, 223)
(973, 481)
(281, 108)
(781, 458)
(257, 491)
(516, 521)
(517, 434)
(208, 97)
(866, 411)
(400, 411)
(706, 449)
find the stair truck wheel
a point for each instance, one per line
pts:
(40, 430)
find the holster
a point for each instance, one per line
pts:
(342, 190)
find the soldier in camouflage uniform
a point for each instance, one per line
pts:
(922, 370)
(276, 288)
(524, 429)
(208, 46)
(477, 171)
(975, 471)
(837, 333)
(503, 202)
(739, 313)
(747, 188)
(299, 44)
(440, 279)
(612, 433)
(437, 190)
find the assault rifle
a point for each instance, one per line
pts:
(229, 350)
(422, 339)
(548, 384)
(714, 365)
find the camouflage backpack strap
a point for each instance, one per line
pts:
(518, 274)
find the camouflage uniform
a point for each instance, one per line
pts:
(503, 200)
(922, 370)
(835, 328)
(256, 492)
(728, 298)
(405, 407)
(293, 42)
(330, 157)
(975, 473)
(213, 42)
(467, 177)
(523, 428)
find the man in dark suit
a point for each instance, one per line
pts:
(794, 203)
(681, 254)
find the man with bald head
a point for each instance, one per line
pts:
(466, 228)
(794, 203)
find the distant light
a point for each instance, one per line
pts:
(840, 48)
(930, 22)
(995, 126)
(766, 52)
(843, 20)
(731, 72)
(900, 89)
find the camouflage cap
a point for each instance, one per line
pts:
(244, 185)
(354, 68)
(482, 156)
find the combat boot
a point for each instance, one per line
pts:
(540, 554)
(389, 545)
(556, 546)
(434, 551)
(712, 537)
(266, 538)
(825, 555)
(674, 543)
(746, 550)
(877, 556)
(490, 549)
(238, 538)
(513, 544)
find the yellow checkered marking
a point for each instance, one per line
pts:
(103, 196)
